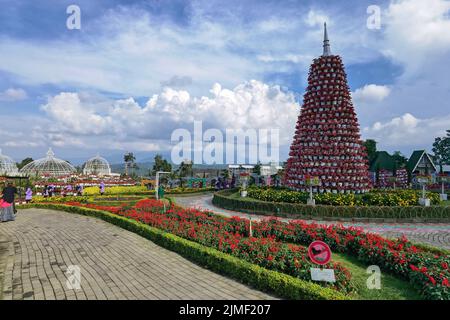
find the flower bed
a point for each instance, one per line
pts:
(373, 198)
(282, 285)
(273, 245)
(225, 199)
(224, 235)
(139, 190)
(428, 271)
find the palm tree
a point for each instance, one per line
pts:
(129, 160)
(184, 170)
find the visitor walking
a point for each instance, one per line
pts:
(28, 195)
(45, 191)
(102, 188)
(7, 206)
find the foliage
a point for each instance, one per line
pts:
(24, 162)
(129, 160)
(428, 271)
(399, 159)
(274, 244)
(441, 150)
(229, 235)
(373, 198)
(184, 170)
(228, 200)
(88, 192)
(371, 149)
(160, 164)
(280, 284)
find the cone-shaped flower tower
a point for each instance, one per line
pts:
(327, 142)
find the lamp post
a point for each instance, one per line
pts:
(424, 180)
(157, 182)
(312, 182)
(444, 178)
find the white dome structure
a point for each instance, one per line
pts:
(97, 166)
(7, 165)
(49, 165)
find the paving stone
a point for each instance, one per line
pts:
(114, 263)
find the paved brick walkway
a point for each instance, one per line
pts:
(37, 248)
(436, 234)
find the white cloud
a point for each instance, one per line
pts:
(371, 93)
(250, 105)
(129, 51)
(13, 94)
(417, 32)
(407, 131)
(315, 18)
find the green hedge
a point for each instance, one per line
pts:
(296, 210)
(280, 284)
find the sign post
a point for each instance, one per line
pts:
(320, 253)
(312, 182)
(424, 180)
(157, 182)
(244, 176)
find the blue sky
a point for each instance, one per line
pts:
(137, 70)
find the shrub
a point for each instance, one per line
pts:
(373, 198)
(282, 285)
(298, 210)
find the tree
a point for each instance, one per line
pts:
(371, 149)
(129, 160)
(225, 174)
(184, 170)
(257, 168)
(160, 164)
(399, 159)
(441, 150)
(24, 162)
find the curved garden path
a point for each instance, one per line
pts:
(436, 234)
(37, 248)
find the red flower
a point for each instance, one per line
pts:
(413, 267)
(445, 282)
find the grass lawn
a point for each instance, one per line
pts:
(392, 288)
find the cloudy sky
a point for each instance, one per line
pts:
(137, 70)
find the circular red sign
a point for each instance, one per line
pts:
(319, 252)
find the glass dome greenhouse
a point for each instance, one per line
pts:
(7, 165)
(97, 166)
(48, 166)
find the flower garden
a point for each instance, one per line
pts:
(374, 206)
(281, 247)
(373, 198)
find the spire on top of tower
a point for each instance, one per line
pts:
(326, 42)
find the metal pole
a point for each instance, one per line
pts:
(157, 185)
